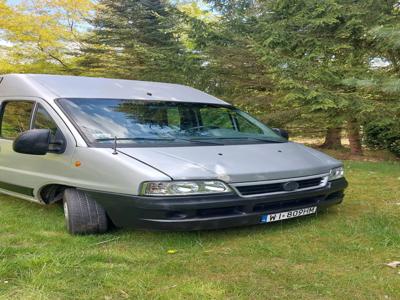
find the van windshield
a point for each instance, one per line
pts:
(143, 122)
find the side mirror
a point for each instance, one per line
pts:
(35, 142)
(282, 132)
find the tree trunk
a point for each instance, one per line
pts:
(353, 129)
(333, 138)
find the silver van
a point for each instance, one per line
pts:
(152, 155)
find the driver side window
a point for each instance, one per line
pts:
(16, 118)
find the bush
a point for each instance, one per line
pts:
(395, 147)
(383, 134)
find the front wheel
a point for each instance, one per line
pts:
(82, 214)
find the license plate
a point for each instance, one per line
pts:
(288, 214)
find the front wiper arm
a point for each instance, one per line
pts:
(116, 139)
(265, 140)
(134, 139)
(249, 138)
(156, 139)
(198, 141)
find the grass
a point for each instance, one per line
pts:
(338, 254)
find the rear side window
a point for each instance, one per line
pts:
(16, 118)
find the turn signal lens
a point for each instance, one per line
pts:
(174, 188)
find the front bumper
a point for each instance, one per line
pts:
(211, 211)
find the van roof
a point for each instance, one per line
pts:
(60, 86)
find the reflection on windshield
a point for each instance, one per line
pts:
(149, 122)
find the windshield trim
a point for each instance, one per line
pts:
(163, 143)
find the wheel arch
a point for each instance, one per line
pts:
(51, 193)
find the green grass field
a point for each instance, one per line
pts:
(337, 254)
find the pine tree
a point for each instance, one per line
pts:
(313, 47)
(134, 39)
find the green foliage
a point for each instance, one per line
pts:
(40, 36)
(136, 40)
(383, 134)
(312, 46)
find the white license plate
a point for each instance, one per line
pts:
(288, 214)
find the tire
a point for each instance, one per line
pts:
(82, 214)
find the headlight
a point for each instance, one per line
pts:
(336, 173)
(176, 188)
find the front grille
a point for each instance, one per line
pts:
(307, 183)
(260, 189)
(267, 188)
(292, 204)
(259, 207)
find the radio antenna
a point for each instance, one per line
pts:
(115, 146)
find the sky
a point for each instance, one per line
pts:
(14, 1)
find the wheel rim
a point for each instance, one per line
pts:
(66, 214)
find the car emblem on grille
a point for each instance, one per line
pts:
(290, 186)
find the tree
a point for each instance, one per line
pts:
(135, 39)
(313, 47)
(42, 35)
(232, 68)
(382, 84)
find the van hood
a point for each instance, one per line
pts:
(235, 163)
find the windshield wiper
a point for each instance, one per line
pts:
(246, 138)
(134, 139)
(155, 139)
(116, 139)
(198, 141)
(204, 140)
